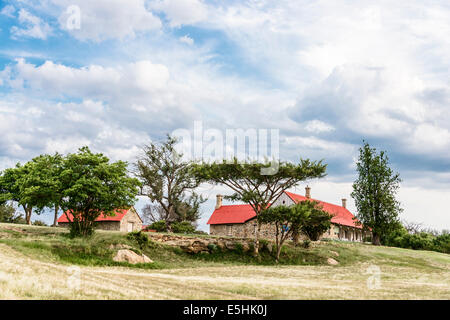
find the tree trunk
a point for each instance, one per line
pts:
(27, 214)
(376, 239)
(55, 221)
(295, 236)
(256, 243)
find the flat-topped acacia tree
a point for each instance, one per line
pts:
(92, 186)
(259, 190)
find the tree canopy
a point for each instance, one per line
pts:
(93, 186)
(169, 183)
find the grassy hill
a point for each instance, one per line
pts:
(37, 262)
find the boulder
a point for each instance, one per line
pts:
(132, 257)
(331, 261)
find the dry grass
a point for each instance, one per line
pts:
(26, 277)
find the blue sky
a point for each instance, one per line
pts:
(326, 74)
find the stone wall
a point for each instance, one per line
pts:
(267, 231)
(99, 225)
(131, 217)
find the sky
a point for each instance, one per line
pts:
(116, 74)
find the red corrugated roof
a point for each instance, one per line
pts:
(237, 213)
(243, 212)
(119, 214)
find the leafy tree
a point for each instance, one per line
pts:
(15, 185)
(169, 183)
(45, 188)
(92, 186)
(375, 191)
(282, 218)
(315, 220)
(8, 214)
(256, 189)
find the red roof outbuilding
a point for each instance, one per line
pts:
(119, 214)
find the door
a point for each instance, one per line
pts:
(130, 226)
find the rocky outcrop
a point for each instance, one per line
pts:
(201, 244)
(125, 255)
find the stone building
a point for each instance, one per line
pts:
(123, 220)
(240, 220)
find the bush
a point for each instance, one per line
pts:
(39, 223)
(159, 226)
(139, 237)
(183, 227)
(442, 243)
(306, 243)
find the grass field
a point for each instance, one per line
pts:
(43, 263)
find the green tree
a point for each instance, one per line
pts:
(250, 186)
(315, 221)
(93, 186)
(169, 183)
(8, 214)
(44, 184)
(375, 192)
(15, 184)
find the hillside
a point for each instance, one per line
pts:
(42, 263)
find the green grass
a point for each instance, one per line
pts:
(55, 244)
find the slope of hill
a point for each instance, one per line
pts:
(43, 263)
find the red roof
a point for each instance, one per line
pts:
(119, 214)
(243, 212)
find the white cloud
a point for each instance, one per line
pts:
(109, 19)
(34, 27)
(8, 11)
(186, 39)
(182, 12)
(317, 126)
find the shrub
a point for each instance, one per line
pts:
(306, 243)
(159, 226)
(139, 237)
(39, 223)
(183, 227)
(442, 243)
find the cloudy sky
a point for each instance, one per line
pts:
(327, 74)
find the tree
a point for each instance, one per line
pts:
(8, 214)
(14, 183)
(169, 183)
(252, 187)
(44, 183)
(375, 192)
(315, 221)
(93, 186)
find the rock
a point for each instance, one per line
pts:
(269, 247)
(331, 261)
(335, 253)
(132, 257)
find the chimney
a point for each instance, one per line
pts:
(308, 192)
(344, 203)
(219, 198)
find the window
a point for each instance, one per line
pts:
(336, 230)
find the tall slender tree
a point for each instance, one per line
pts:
(374, 192)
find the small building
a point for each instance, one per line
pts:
(240, 220)
(123, 220)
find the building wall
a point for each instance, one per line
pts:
(268, 231)
(131, 217)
